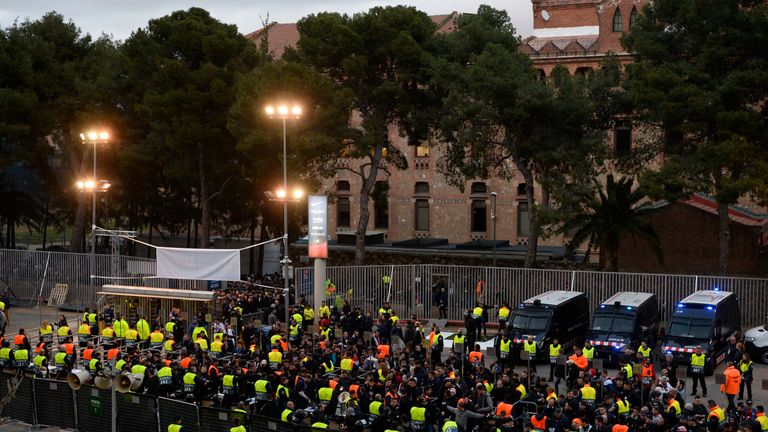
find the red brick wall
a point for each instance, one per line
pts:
(575, 13)
(689, 241)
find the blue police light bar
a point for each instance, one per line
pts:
(710, 308)
(629, 307)
(602, 306)
(717, 288)
(680, 305)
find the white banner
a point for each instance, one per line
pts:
(203, 264)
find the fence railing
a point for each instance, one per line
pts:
(53, 403)
(414, 289)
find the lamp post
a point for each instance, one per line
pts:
(93, 187)
(94, 138)
(493, 217)
(283, 112)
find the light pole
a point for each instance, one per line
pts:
(493, 217)
(93, 187)
(94, 138)
(283, 112)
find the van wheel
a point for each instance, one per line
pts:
(764, 356)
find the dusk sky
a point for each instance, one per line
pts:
(120, 18)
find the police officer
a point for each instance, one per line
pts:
(554, 352)
(477, 318)
(698, 360)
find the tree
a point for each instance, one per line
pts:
(617, 209)
(701, 76)
(498, 117)
(380, 57)
(185, 65)
(56, 82)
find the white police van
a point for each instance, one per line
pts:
(756, 343)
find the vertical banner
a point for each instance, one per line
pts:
(318, 226)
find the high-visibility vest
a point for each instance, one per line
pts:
(353, 389)
(647, 375)
(93, 365)
(121, 328)
(59, 359)
(325, 394)
(588, 393)
(107, 333)
(112, 354)
(39, 361)
(228, 384)
(347, 364)
(165, 374)
(628, 370)
(645, 352)
(418, 417)
(174, 427)
(589, 353)
(375, 408)
(275, 358)
(203, 344)
(319, 425)
(285, 389)
(22, 357)
(120, 364)
(523, 392)
(475, 357)
(286, 413)
(131, 335)
(63, 331)
(436, 341)
(69, 348)
(718, 413)
(294, 330)
(216, 346)
(504, 313)
(620, 428)
(274, 339)
(504, 348)
(239, 428)
(744, 367)
(382, 377)
(138, 369)
(197, 331)
(450, 426)
(697, 363)
(92, 318)
(539, 424)
(189, 382)
(309, 314)
(530, 347)
(46, 330)
(554, 350)
(504, 410)
(763, 420)
(168, 346)
(459, 340)
(623, 406)
(170, 326)
(552, 395)
(298, 318)
(18, 340)
(156, 337)
(674, 406)
(477, 313)
(261, 389)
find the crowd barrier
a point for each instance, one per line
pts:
(53, 403)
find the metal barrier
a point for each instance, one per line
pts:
(136, 412)
(94, 409)
(215, 419)
(169, 409)
(22, 406)
(51, 393)
(413, 288)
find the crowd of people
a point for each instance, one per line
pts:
(342, 368)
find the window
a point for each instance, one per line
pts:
(618, 26)
(622, 140)
(479, 188)
(479, 216)
(343, 215)
(421, 188)
(523, 226)
(422, 215)
(342, 186)
(633, 17)
(380, 195)
(422, 150)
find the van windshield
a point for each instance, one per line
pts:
(615, 323)
(531, 320)
(692, 328)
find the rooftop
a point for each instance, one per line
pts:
(707, 297)
(627, 298)
(554, 298)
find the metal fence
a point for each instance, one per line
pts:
(29, 275)
(53, 403)
(413, 288)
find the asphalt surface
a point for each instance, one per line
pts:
(30, 318)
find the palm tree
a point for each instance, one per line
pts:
(605, 217)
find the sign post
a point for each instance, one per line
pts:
(318, 246)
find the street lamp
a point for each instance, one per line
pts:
(283, 112)
(493, 217)
(94, 137)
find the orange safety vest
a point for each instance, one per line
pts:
(214, 368)
(167, 362)
(581, 361)
(620, 428)
(504, 410)
(539, 424)
(647, 371)
(185, 362)
(383, 350)
(19, 339)
(332, 384)
(431, 338)
(112, 354)
(732, 381)
(87, 354)
(475, 356)
(353, 390)
(40, 347)
(284, 345)
(69, 348)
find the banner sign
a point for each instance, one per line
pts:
(204, 264)
(318, 226)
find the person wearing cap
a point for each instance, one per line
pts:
(731, 386)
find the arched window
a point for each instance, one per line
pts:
(618, 26)
(633, 17)
(479, 188)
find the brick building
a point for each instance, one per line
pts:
(688, 234)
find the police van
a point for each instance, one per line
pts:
(623, 321)
(756, 343)
(561, 315)
(705, 319)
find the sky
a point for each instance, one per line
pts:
(119, 18)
